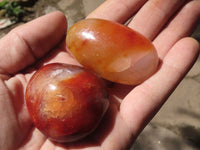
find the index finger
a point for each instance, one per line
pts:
(117, 10)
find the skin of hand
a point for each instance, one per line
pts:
(168, 24)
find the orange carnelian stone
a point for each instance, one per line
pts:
(114, 51)
(66, 102)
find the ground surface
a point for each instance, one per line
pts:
(177, 125)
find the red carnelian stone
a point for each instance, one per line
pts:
(112, 50)
(66, 102)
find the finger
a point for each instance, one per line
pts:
(153, 16)
(117, 10)
(35, 140)
(181, 26)
(145, 100)
(22, 46)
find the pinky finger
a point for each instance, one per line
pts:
(148, 97)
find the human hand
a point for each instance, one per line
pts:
(131, 107)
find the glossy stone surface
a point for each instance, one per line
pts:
(114, 51)
(66, 102)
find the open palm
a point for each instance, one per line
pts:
(166, 23)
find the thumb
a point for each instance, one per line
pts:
(26, 43)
